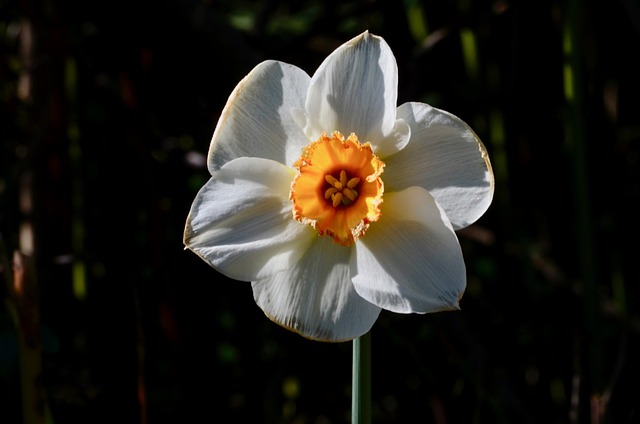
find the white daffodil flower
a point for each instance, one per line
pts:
(334, 202)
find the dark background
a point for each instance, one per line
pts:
(107, 112)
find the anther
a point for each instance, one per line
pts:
(353, 182)
(337, 199)
(333, 181)
(349, 194)
(343, 178)
(330, 192)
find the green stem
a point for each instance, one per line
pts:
(361, 389)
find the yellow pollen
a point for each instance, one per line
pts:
(338, 189)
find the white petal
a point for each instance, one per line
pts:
(316, 298)
(257, 121)
(395, 141)
(447, 158)
(241, 221)
(410, 260)
(354, 90)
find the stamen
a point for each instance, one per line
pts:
(345, 187)
(334, 182)
(343, 178)
(337, 199)
(353, 182)
(349, 194)
(330, 192)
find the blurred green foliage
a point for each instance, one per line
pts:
(107, 111)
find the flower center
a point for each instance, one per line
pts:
(338, 189)
(341, 191)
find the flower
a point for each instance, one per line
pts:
(334, 202)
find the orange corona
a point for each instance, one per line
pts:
(338, 189)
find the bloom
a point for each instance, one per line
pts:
(334, 202)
